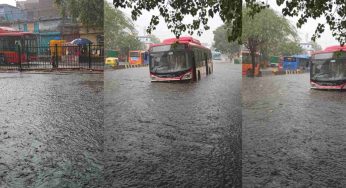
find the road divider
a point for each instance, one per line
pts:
(298, 71)
(134, 66)
(125, 66)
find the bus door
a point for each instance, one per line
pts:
(193, 61)
(206, 63)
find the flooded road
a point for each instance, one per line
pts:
(51, 130)
(292, 136)
(173, 134)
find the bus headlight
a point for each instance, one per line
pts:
(187, 76)
(313, 85)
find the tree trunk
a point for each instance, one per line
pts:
(253, 49)
(253, 62)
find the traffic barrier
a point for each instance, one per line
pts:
(53, 57)
(128, 66)
(298, 71)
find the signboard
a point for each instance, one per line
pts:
(165, 48)
(289, 59)
(30, 27)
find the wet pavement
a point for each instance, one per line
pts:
(51, 130)
(292, 136)
(173, 134)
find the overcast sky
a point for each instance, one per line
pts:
(10, 2)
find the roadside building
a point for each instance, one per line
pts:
(43, 18)
(146, 40)
(10, 13)
(307, 48)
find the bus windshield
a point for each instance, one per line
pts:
(290, 59)
(134, 54)
(329, 67)
(168, 61)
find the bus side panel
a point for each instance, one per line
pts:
(203, 62)
(193, 58)
(248, 67)
(199, 63)
(11, 57)
(210, 63)
(142, 58)
(245, 68)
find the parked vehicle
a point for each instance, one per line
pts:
(295, 62)
(111, 61)
(216, 55)
(247, 67)
(9, 41)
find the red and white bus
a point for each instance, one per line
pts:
(179, 59)
(9, 40)
(328, 68)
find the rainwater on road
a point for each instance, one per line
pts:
(292, 136)
(173, 134)
(51, 130)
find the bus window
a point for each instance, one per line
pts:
(134, 54)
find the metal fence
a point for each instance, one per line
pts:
(53, 57)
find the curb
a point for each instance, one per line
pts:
(298, 71)
(134, 66)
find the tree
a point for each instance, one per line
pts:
(288, 48)
(334, 11)
(266, 32)
(221, 43)
(316, 46)
(154, 39)
(174, 11)
(119, 30)
(230, 12)
(87, 12)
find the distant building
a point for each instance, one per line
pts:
(10, 13)
(146, 40)
(43, 18)
(307, 48)
(38, 9)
